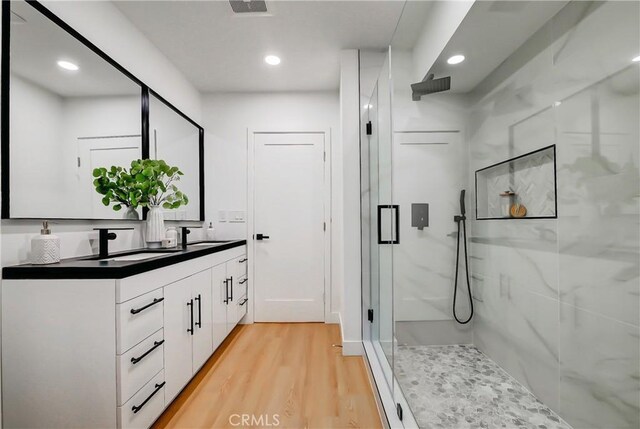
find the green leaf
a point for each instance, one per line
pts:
(105, 201)
(117, 207)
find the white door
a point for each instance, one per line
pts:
(289, 195)
(178, 362)
(103, 152)
(219, 303)
(202, 335)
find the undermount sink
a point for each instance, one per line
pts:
(136, 257)
(209, 243)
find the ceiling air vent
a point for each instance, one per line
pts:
(248, 6)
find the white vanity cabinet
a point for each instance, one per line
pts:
(229, 296)
(112, 353)
(187, 326)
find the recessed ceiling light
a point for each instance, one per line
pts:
(272, 60)
(636, 59)
(68, 65)
(456, 59)
(557, 103)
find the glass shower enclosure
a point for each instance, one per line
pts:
(540, 126)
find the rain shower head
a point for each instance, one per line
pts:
(429, 85)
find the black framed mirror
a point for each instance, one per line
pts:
(67, 108)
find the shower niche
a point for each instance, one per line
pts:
(523, 187)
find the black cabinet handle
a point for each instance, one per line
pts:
(138, 310)
(137, 408)
(242, 260)
(199, 322)
(190, 305)
(231, 288)
(244, 301)
(156, 344)
(262, 237)
(242, 281)
(226, 291)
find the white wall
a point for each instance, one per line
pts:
(227, 117)
(350, 314)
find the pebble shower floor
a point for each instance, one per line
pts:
(458, 387)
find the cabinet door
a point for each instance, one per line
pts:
(202, 335)
(177, 347)
(219, 303)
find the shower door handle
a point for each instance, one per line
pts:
(395, 237)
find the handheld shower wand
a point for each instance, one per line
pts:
(461, 221)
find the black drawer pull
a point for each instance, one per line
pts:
(156, 344)
(190, 305)
(137, 408)
(155, 301)
(199, 322)
(244, 301)
(242, 281)
(242, 260)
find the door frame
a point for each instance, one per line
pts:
(251, 160)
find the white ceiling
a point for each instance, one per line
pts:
(491, 31)
(220, 51)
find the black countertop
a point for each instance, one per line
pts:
(91, 267)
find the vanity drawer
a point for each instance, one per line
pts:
(240, 269)
(241, 310)
(138, 318)
(240, 288)
(145, 406)
(138, 365)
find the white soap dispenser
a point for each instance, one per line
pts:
(45, 248)
(211, 232)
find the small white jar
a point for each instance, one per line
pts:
(171, 236)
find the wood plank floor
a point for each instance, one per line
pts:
(286, 369)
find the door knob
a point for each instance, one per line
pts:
(262, 237)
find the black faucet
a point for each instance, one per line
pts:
(105, 236)
(185, 232)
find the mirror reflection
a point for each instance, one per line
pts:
(176, 140)
(70, 112)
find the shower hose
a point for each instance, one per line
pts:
(462, 226)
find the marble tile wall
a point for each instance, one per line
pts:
(558, 301)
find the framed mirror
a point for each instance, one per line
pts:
(179, 141)
(71, 108)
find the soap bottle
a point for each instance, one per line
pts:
(45, 248)
(211, 232)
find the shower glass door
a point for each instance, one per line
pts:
(379, 232)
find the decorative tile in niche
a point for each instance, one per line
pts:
(524, 186)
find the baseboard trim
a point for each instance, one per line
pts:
(352, 348)
(333, 318)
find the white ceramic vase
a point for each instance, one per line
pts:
(155, 227)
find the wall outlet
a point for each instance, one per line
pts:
(236, 216)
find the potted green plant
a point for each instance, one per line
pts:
(147, 183)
